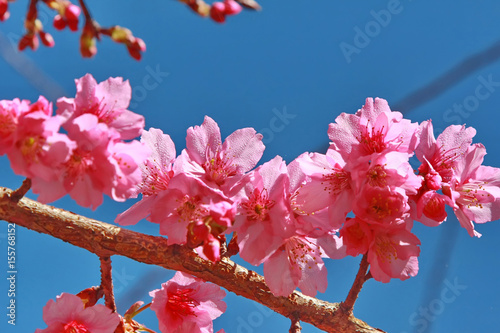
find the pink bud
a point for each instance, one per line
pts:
(47, 39)
(218, 12)
(72, 12)
(28, 40)
(231, 7)
(59, 23)
(136, 48)
(4, 7)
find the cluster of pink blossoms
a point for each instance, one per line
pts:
(184, 304)
(361, 197)
(94, 154)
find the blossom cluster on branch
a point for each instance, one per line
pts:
(68, 16)
(361, 196)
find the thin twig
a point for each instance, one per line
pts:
(361, 277)
(21, 191)
(107, 283)
(295, 327)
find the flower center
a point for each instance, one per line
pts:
(300, 253)
(77, 166)
(180, 303)
(154, 178)
(30, 147)
(385, 249)
(336, 181)
(373, 141)
(75, 327)
(218, 168)
(258, 205)
(377, 176)
(473, 194)
(190, 209)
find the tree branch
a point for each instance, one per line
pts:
(361, 277)
(105, 240)
(107, 283)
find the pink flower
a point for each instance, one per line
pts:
(156, 174)
(393, 253)
(475, 190)
(373, 129)
(100, 164)
(264, 217)
(382, 205)
(297, 263)
(431, 208)
(9, 114)
(327, 185)
(108, 101)
(191, 213)
(357, 236)
(220, 165)
(220, 216)
(187, 305)
(38, 149)
(444, 153)
(391, 169)
(68, 314)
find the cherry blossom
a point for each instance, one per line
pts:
(68, 314)
(108, 101)
(156, 174)
(38, 149)
(475, 190)
(373, 129)
(297, 263)
(100, 164)
(187, 304)
(327, 185)
(393, 253)
(264, 217)
(444, 152)
(220, 165)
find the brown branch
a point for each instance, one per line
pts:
(107, 283)
(295, 327)
(361, 277)
(21, 191)
(105, 240)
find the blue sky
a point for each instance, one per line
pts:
(292, 58)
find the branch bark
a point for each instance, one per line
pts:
(106, 240)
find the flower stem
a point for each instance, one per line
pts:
(107, 283)
(21, 191)
(295, 327)
(361, 277)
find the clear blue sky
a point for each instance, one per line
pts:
(310, 58)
